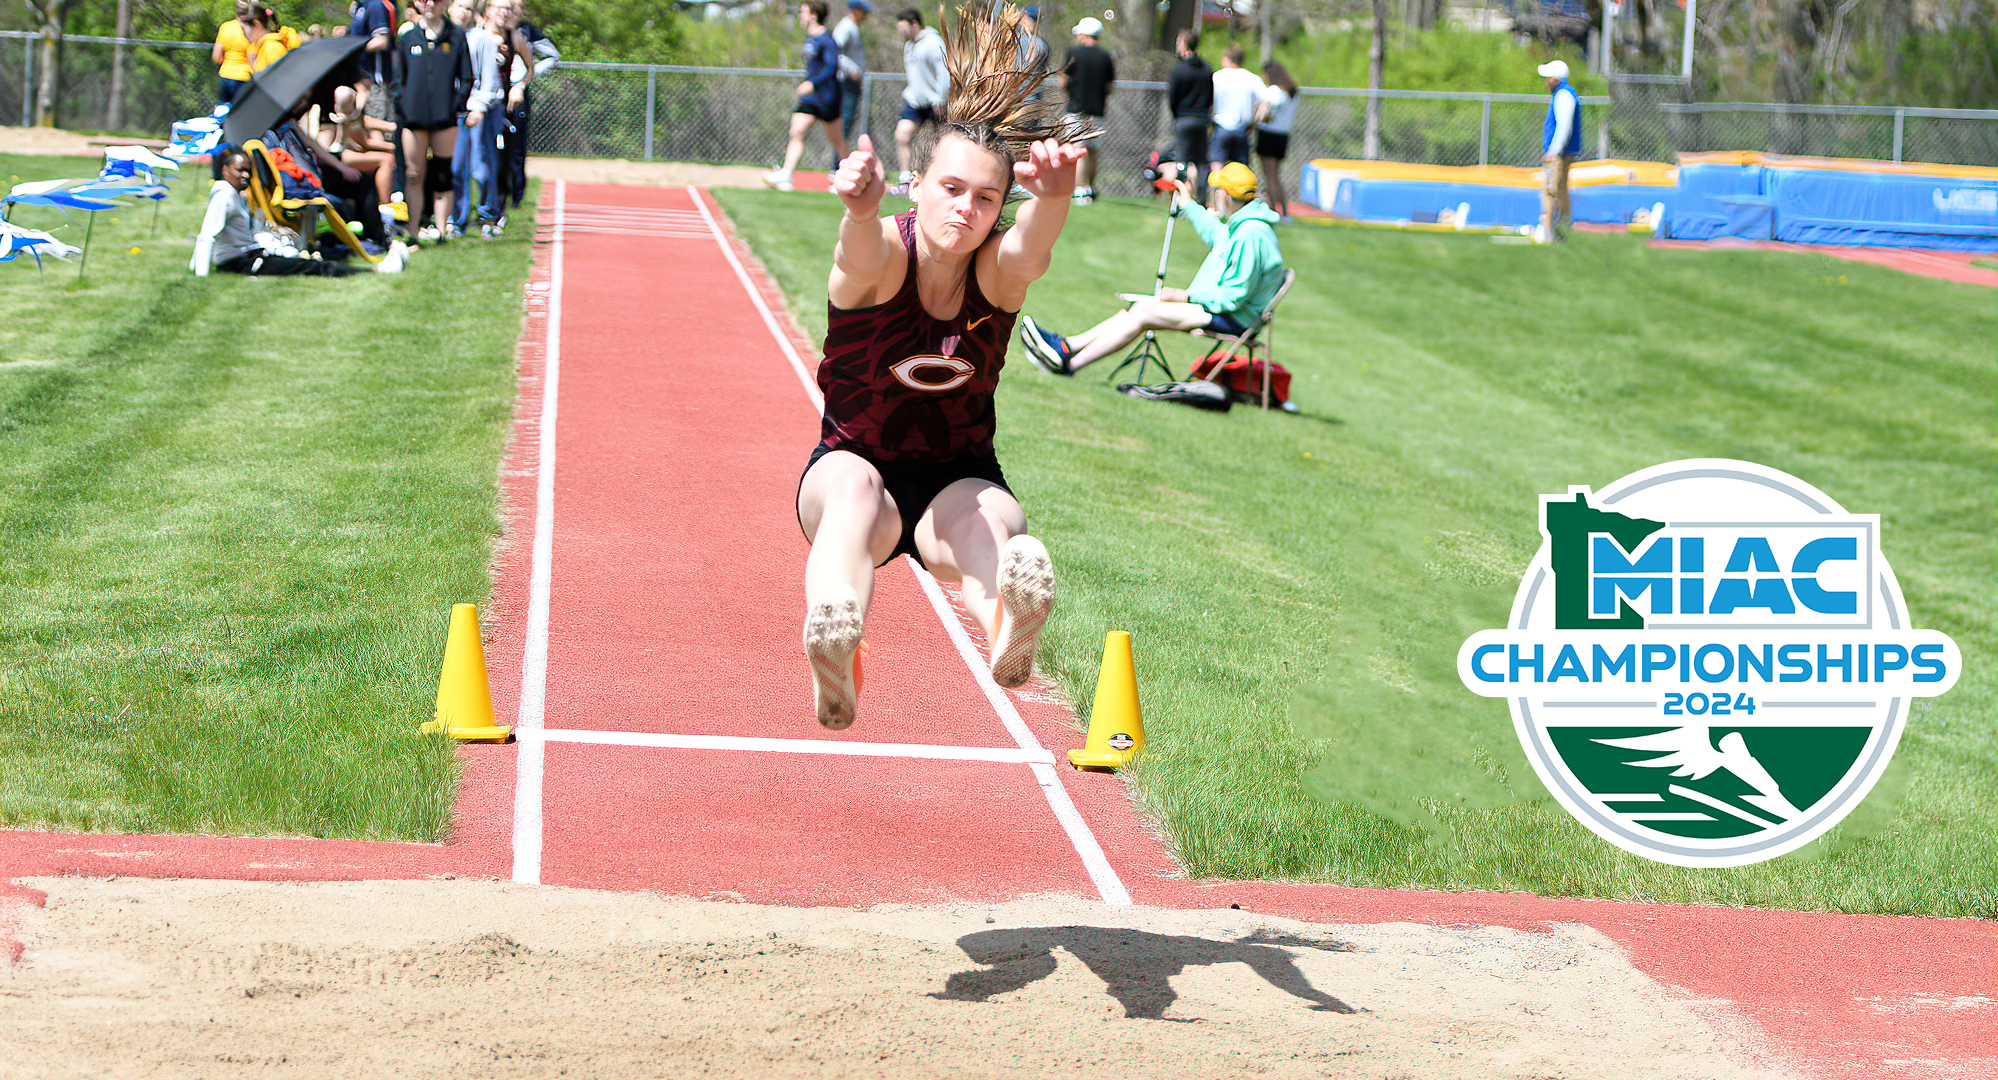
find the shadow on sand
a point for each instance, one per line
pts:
(1133, 964)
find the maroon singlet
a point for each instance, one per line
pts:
(903, 386)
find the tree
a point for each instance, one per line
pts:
(1376, 78)
(615, 31)
(48, 16)
(114, 117)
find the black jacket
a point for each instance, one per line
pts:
(1190, 87)
(433, 77)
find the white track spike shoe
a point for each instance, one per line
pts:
(832, 643)
(1026, 595)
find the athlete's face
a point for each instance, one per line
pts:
(959, 196)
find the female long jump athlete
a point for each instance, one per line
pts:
(921, 309)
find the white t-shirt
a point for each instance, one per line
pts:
(1235, 91)
(227, 227)
(1283, 109)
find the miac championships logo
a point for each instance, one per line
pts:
(1708, 662)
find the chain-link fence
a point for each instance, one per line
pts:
(741, 115)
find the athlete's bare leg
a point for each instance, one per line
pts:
(794, 149)
(836, 137)
(975, 533)
(905, 133)
(1124, 327)
(852, 525)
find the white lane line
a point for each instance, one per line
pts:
(1003, 754)
(769, 320)
(1086, 848)
(1079, 835)
(530, 758)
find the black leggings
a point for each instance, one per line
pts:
(365, 215)
(256, 263)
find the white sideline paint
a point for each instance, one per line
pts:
(763, 309)
(1079, 835)
(530, 759)
(1086, 848)
(1002, 754)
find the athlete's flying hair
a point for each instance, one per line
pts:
(992, 98)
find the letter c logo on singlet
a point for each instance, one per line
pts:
(917, 373)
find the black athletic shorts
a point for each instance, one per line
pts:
(1272, 144)
(817, 111)
(1231, 144)
(1189, 141)
(914, 485)
(919, 114)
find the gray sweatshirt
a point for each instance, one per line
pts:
(929, 78)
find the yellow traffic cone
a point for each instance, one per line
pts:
(1116, 726)
(464, 698)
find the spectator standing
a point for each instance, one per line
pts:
(1561, 143)
(276, 39)
(433, 80)
(1190, 95)
(818, 95)
(465, 15)
(1237, 91)
(232, 53)
(374, 21)
(1087, 75)
(852, 65)
(530, 66)
(493, 54)
(1033, 48)
(928, 81)
(1275, 112)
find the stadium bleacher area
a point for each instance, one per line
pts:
(1745, 194)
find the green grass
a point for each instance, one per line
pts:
(1297, 586)
(233, 517)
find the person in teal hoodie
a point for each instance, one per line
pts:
(1241, 274)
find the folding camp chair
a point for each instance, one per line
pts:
(1247, 339)
(267, 197)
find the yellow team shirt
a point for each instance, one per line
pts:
(235, 51)
(274, 44)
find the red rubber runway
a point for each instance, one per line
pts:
(645, 630)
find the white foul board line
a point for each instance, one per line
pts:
(1002, 754)
(1079, 835)
(530, 761)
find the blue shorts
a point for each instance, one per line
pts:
(1225, 324)
(919, 114)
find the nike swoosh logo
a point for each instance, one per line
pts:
(973, 325)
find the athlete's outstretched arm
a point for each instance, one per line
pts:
(1025, 252)
(867, 246)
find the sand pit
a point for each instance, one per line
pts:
(132, 977)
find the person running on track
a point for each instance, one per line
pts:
(921, 306)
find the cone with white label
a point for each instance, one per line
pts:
(1116, 725)
(464, 696)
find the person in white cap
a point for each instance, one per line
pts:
(1561, 142)
(1087, 76)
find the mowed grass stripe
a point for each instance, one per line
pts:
(234, 516)
(1297, 587)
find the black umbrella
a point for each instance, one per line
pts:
(273, 91)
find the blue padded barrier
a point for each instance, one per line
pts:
(1698, 212)
(1826, 206)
